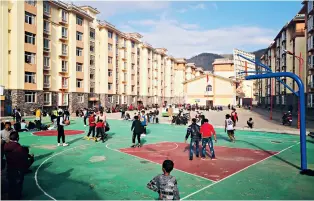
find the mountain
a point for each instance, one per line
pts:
(205, 60)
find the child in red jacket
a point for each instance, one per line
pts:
(92, 125)
(100, 130)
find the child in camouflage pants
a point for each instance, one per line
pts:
(165, 184)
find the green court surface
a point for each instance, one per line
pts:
(258, 166)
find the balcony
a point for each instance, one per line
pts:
(46, 67)
(64, 87)
(64, 70)
(122, 46)
(311, 86)
(46, 85)
(298, 33)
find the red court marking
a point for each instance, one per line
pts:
(229, 160)
(55, 132)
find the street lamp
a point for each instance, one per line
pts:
(301, 61)
(251, 95)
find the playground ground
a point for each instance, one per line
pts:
(258, 166)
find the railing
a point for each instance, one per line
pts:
(311, 84)
(46, 85)
(64, 70)
(46, 67)
(47, 102)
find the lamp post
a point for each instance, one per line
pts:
(251, 95)
(301, 61)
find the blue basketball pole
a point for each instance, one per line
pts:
(302, 109)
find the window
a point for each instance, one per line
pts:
(64, 82)
(92, 33)
(64, 65)
(29, 18)
(30, 77)
(64, 16)
(133, 77)
(46, 26)
(46, 62)
(30, 58)
(30, 38)
(110, 99)
(31, 2)
(64, 49)
(92, 90)
(46, 79)
(132, 88)
(30, 97)
(109, 73)
(80, 98)
(110, 34)
(64, 31)
(79, 51)
(79, 67)
(310, 102)
(133, 44)
(109, 86)
(117, 39)
(109, 47)
(79, 36)
(92, 47)
(79, 20)
(209, 88)
(92, 60)
(91, 76)
(46, 7)
(79, 83)
(46, 44)
(47, 98)
(125, 77)
(109, 60)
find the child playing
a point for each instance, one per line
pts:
(229, 128)
(165, 184)
(144, 121)
(250, 122)
(100, 128)
(137, 129)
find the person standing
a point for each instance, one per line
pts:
(170, 113)
(85, 114)
(137, 129)
(234, 117)
(144, 121)
(165, 184)
(207, 131)
(18, 161)
(194, 131)
(38, 114)
(60, 128)
(18, 116)
(229, 128)
(92, 125)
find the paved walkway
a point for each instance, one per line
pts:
(261, 122)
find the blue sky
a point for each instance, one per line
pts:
(189, 28)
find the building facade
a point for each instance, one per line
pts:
(294, 40)
(56, 54)
(207, 90)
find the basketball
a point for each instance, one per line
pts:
(67, 122)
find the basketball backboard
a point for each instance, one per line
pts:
(241, 65)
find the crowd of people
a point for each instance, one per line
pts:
(17, 159)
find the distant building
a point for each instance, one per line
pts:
(210, 90)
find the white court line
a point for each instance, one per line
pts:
(36, 173)
(176, 146)
(156, 162)
(237, 172)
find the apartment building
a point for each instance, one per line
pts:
(309, 11)
(56, 54)
(280, 57)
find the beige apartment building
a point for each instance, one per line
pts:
(294, 38)
(56, 54)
